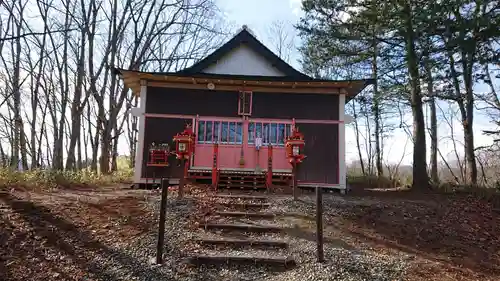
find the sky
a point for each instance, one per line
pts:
(258, 15)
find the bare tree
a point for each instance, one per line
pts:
(56, 72)
(282, 39)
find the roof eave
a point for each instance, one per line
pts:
(367, 82)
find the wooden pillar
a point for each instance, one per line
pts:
(139, 152)
(342, 167)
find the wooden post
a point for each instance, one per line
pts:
(182, 180)
(154, 178)
(294, 181)
(214, 167)
(319, 223)
(161, 226)
(269, 179)
(146, 174)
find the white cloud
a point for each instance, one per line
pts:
(296, 6)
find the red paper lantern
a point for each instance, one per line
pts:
(184, 143)
(295, 147)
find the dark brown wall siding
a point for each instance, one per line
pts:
(225, 104)
(162, 130)
(300, 106)
(322, 151)
(191, 102)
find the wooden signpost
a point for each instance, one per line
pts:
(161, 226)
(319, 223)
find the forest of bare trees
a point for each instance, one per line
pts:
(61, 105)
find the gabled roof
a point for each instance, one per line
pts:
(246, 37)
(293, 81)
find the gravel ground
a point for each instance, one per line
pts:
(136, 260)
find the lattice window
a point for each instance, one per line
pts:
(245, 103)
(271, 133)
(224, 132)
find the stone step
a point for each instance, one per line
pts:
(242, 196)
(244, 242)
(244, 227)
(246, 214)
(287, 262)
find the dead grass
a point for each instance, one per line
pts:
(51, 179)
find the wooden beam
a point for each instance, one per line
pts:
(218, 87)
(132, 80)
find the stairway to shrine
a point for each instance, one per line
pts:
(242, 230)
(241, 179)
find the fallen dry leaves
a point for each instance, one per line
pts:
(454, 237)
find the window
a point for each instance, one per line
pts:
(271, 133)
(209, 133)
(216, 130)
(224, 137)
(281, 134)
(245, 103)
(220, 132)
(201, 132)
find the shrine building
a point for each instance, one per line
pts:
(242, 102)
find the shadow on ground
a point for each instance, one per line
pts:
(69, 253)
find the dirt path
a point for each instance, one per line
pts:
(88, 233)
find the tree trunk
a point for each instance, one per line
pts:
(434, 141)
(105, 150)
(420, 177)
(24, 151)
(470, 156)
(114, 156)
(433, 121)
(358, 145)
(468, 123)
(376, 113)
(76, 107)
(95, 140)
(79, 162)
(132, 134)
(17, 98)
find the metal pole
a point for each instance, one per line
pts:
(319, 223)
(161, 226)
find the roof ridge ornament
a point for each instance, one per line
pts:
(245, 27)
